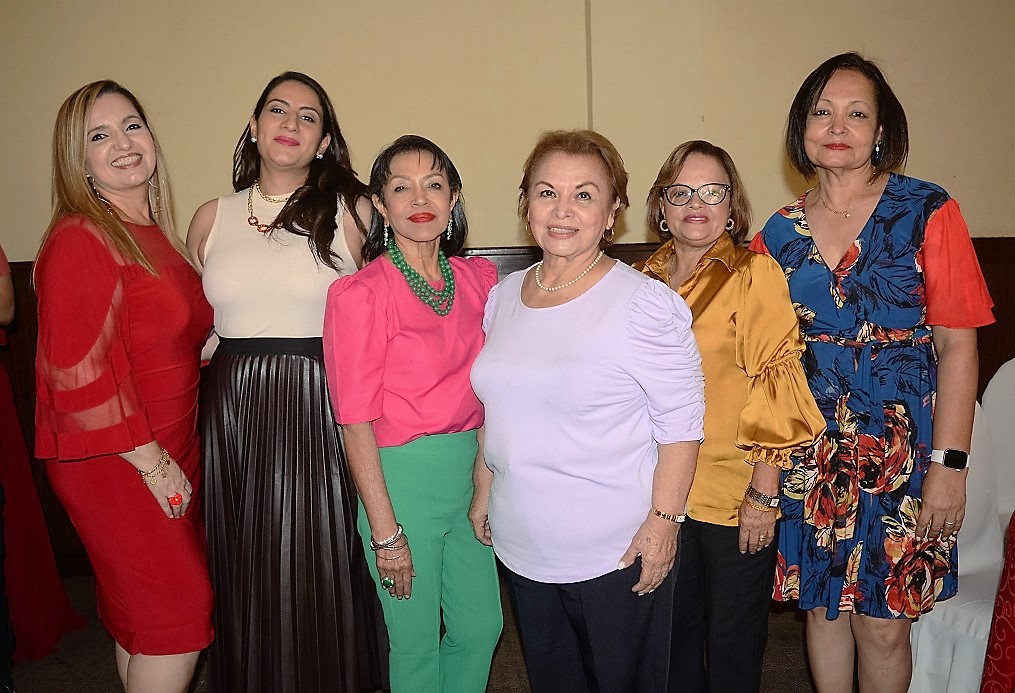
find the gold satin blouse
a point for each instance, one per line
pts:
(758, 407)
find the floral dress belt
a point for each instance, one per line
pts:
(865, 397)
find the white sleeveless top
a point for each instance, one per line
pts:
(267, 285)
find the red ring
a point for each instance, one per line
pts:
(176, 500)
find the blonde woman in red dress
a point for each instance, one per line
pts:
(121, 323)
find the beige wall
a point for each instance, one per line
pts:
(483, 79)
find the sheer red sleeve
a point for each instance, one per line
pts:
(957, 295)
(88, 402)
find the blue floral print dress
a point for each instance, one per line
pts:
(847, 539)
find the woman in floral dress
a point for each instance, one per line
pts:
(889, 295)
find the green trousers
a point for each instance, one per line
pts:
(429, 482)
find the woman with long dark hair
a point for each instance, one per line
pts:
(292, 612)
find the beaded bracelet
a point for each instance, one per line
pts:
(152, 475)
(388, 543)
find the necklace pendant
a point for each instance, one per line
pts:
(847, 214)
(254, 221)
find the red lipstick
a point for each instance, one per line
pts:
(422, 218)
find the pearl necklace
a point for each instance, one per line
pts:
(539, 283)
(847, 213)
(440, 301)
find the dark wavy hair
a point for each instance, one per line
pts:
(380, 174)
(890, 114)
(312, 209)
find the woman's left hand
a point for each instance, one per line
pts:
(757, 528)
(656, 543)
(944, 502)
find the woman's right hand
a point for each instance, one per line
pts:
(396, 564)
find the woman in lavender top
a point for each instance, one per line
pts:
(593, 391)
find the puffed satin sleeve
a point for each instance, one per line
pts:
(355, 348)
(663, 359)
(88, 402)
(780, 414)
(957, 295)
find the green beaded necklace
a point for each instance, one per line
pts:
(440, 301)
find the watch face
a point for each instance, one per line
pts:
(955, 459)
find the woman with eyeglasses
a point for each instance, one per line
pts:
(758, 412)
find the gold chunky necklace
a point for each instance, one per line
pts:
(252, 219)
(585, 271)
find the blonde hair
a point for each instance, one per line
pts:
(72, 193)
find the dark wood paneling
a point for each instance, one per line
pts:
(997, 341)
(997, 345)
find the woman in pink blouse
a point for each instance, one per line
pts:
(400, 337)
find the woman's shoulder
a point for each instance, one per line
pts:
(76, 235)
(480, 268)
(900, 185)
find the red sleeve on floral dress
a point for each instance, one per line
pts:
(957, 295)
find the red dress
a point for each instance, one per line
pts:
(999, 665)
(117, 367)
(40, 612)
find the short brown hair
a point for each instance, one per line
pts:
(891, 116)
(575, 143)
(740, 206)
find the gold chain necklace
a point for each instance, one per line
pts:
(268, 198)
(585, 271)
(847, 213)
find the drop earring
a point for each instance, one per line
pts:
(386, 228)
(448, 234)
(663, 226)
(730, 224)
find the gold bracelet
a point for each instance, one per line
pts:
(152, 475)
(676, 519)
(758, 506)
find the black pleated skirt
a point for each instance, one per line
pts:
(295, 609)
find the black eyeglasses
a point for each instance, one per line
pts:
(679, 195)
